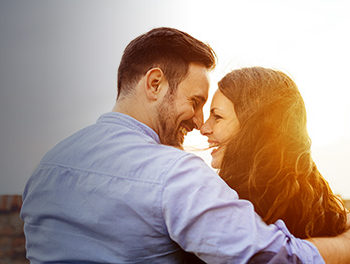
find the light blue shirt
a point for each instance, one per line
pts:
(111, 193)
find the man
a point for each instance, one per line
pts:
(122, 191)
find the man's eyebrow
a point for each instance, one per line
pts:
(200, 98)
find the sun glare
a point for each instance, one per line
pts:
(313, 53)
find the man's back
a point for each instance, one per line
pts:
(112, 194)
(96, 196)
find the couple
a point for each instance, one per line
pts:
(123, 191)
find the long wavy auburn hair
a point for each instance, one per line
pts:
(269, 160)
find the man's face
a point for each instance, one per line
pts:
(181, 112)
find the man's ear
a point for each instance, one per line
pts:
(155, 81)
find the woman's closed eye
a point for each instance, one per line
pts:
(217, 117)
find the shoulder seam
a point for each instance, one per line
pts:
(97, 172)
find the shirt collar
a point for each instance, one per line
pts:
(126, 120)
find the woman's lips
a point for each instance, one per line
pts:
(216, 147)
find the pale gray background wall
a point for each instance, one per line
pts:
(58, 64)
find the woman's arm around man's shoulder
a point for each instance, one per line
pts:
(334, 249)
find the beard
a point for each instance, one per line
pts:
(169, 133)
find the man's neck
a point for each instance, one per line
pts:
(135, 110)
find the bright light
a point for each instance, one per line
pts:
(308, 41)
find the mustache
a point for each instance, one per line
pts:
(188, 124)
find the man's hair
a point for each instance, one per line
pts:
(167, 48)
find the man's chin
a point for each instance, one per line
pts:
(178, 143)
(180, 146)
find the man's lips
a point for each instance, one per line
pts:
(183, 129)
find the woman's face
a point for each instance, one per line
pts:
(220, 127)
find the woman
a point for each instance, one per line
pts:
(257, 126)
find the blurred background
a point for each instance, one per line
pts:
(59, 60)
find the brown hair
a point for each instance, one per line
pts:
(269, 160)
(170, 49)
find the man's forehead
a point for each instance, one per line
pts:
(200, 80)
(201, 90)
(196, 82)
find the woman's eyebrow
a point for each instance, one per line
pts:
(213, 110)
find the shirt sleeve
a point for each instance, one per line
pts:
(204, 216)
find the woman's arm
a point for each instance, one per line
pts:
(334, 249)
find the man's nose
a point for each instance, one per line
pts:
(198, 120)
(205, 129)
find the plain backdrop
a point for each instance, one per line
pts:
(59, 59)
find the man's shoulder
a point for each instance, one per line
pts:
(172, 155)
(121, 151)
(159, 161)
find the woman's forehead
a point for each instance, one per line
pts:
(220, 101)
